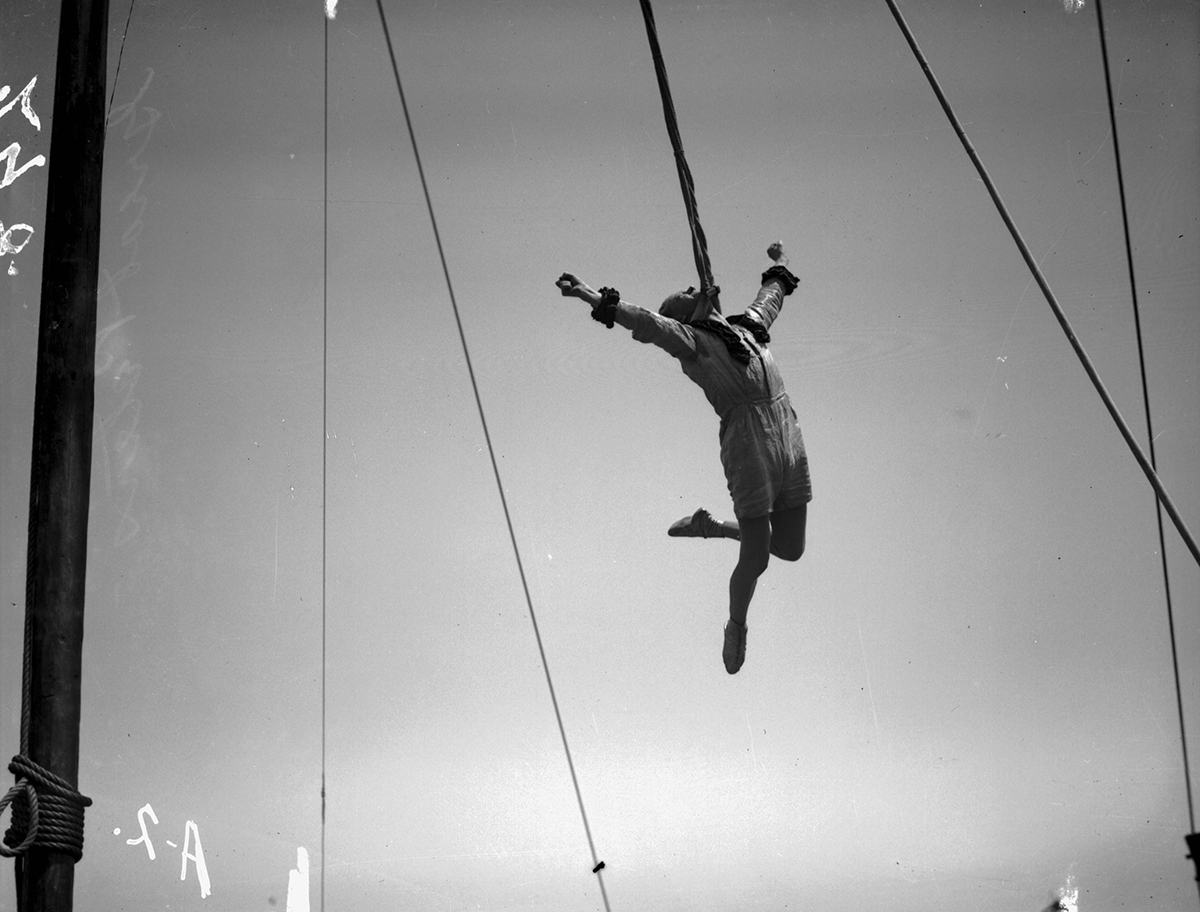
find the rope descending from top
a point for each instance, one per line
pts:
(47, 812)
(699, 244)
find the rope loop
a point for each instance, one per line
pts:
(25, 817)
(47, 812)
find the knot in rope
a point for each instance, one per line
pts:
(47, 812)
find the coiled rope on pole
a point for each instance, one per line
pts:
(699, 244)
(47, 812)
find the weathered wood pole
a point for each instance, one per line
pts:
(60, 473)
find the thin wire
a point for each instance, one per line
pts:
(491, 451)
(1137, 322)
(1122, 426)
(324, 429)
(120, 54)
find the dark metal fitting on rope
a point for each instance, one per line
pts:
(47, 812)
(606, 311)
(1193, 844)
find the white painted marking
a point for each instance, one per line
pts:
(189, 830)
(145, 837)
(23, 97)
(6, 244)
(297, 894)
(11, 173)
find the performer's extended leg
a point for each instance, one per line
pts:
(753, 557)
(781, 534)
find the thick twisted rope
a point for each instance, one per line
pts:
(47, 812)
(699, 244)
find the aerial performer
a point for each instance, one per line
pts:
(762, 449)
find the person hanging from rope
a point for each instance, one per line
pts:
(762, 449)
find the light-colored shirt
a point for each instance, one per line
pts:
(705, 359)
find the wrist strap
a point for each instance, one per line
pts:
(605, 312)
(785, 277)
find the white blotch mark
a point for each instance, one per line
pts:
(117, 831)
(12, 268)
(292, 156)
(6, 243)
(1072, 6)
(331, 13)
(172, 845)
(1002, 358)
(1068, 896)
(297, 894)
(189, 831)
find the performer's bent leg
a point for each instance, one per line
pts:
(787, 532)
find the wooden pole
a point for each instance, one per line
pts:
(60, 472)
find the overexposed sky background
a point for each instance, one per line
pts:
(962, 696)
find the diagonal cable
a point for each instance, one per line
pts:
(1122, 426)
(597, 865)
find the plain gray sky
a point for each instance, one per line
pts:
(962, 696)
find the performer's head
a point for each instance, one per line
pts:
(680, 305)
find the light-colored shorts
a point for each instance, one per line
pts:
(762, 451)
